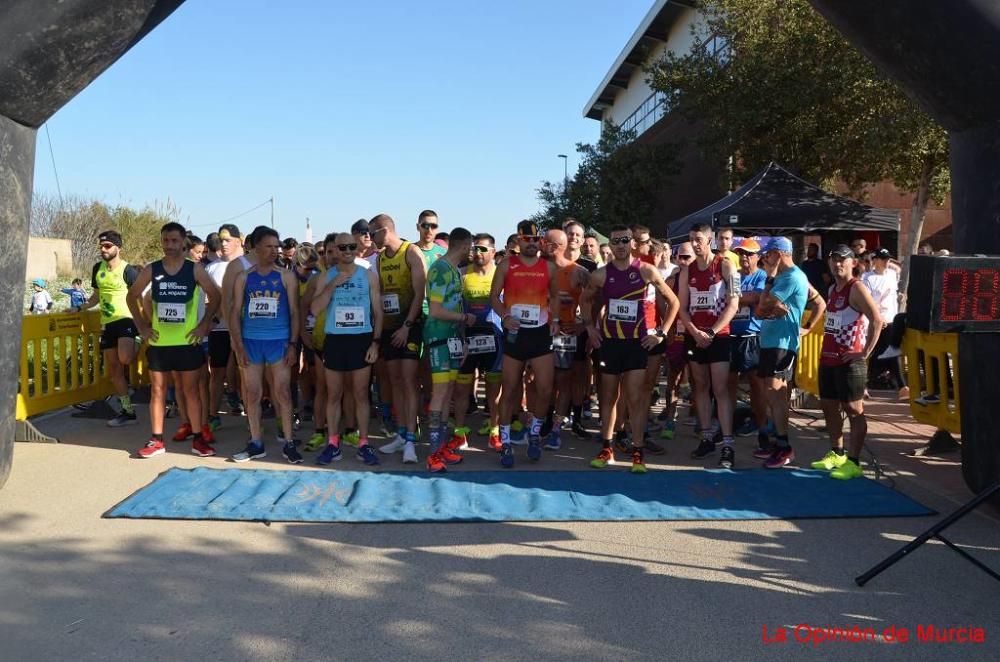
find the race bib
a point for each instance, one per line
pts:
(455, 348)
(564, 343)
(527, 314)
(701, 300)
(742, 314)
(310, 322)
(831, 324)
(623, 310)
(171, 313)
(349, 317)
(390, 304)
(263, 308)
(482, 344)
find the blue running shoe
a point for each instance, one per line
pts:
(253, 451)
(291, 453)
(367, 455)
(330, 454)
(552, 442)
(506, 456)
(534, 448)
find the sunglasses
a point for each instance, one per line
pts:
(366, 233)
(685, 257)
(107, 246)
(376, 231)
(531, 239)
(643, 242)
(621, 241)
(481, 249)
(347, 247)
(428, 226)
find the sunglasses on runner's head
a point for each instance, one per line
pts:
(620, 240)
(428, 226)
(347, 247)
(481, 249)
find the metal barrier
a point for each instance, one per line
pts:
(932, 361)
(61, 363)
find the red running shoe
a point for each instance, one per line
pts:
(779, 458)
(184, 432)
(207, 434)
(435, 464)
(448, 456)
(202, 449)
(495, 443)
(458, 442)
(152, 448)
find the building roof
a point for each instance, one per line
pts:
(653, 30)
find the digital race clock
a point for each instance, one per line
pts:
(954, 294)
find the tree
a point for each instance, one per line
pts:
(772, 80)
(617, 181)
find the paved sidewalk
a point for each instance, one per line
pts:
(75, 586)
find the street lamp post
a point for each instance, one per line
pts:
(565, 169)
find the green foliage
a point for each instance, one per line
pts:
(793, 90)
(617, 181)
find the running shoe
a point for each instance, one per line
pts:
(201, 448)
(654, 448)
(518, 434)
(352, 438)
(389, 428)
(669, 430)
(393, 446)
(459, 441)
(705, 448)
(506, 456)
(296, 422)
(484, 429)
(605, 458)
(830, 461)
(929, 399)
(122, 419)
(847, 471)
(316, 442)
(553, 442)
(534, 448)
(236, 409)
(171, 410)
(409, 453)
(331, 453)
(748, 429)
(579, 430)
(435, 464)
(638, 462)
(495, 443)
(727, 457)
(206, 434)
(367, 455)
(622, 443)
(779, 458)
(764, 452)
(290, 452)
(184, 432)
(449, 456)
(214, 422)
(152, 448)
(251, 452)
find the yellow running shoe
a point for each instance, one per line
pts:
(846, 471)
(485, 428)
(316, 442)
(829, 462)
(352, 438)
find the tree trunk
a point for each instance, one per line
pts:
(917, 214)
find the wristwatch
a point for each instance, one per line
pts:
(710, 333)
(660, 333)
(408, 323)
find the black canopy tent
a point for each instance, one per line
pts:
(777, 202)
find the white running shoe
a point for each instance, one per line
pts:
(393, 446)
(409, 453)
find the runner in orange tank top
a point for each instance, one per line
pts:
(525, 296)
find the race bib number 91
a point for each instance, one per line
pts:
(390, 304)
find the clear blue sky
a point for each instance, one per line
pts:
(342, 110)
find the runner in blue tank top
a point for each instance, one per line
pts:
(351, 297)
(261, 337)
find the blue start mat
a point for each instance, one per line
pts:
(504, 496)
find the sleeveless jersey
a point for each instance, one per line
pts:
(349, 311)
(707, 295)
(397, 287)
(526, 291)
(476, 295)
(266, 315)
(845, 329)
(112, 290)
(624, 292)
(569, 296)
(175, 304)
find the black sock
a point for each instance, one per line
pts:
(783, 441)
(762, 439)
(855, 460)
(158, 437)
(605, 443)
(838, 451)
(577, 413)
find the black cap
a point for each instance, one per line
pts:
(110, 236)
(882, 254)
(841, 250)
(229, 230)
(528, 228)
(360, 226)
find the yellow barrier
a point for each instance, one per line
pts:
(61, 363)
(807, 362)
(932, 360)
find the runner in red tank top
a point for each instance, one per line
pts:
(850, 332)
(622, 339)
(526, 297)
(710, 296)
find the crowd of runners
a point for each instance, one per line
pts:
(319, 335)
